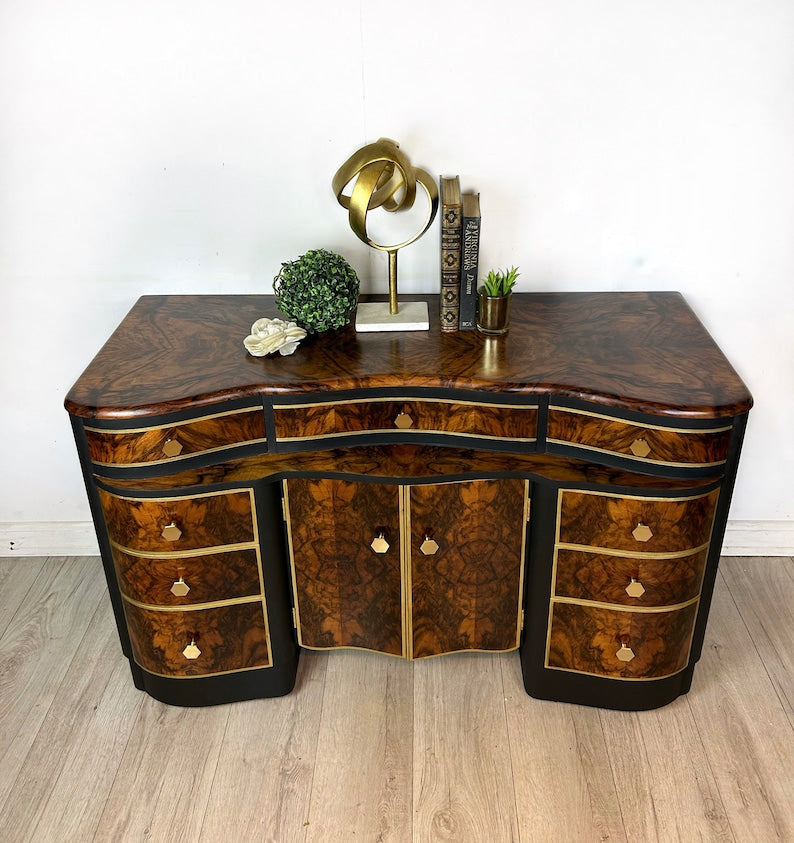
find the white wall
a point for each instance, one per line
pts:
(188, 146)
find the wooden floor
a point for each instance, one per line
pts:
(370, 748)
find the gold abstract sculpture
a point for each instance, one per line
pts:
(383, 177)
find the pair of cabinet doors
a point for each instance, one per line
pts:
(412, 571)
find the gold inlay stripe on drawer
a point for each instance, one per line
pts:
(182, 423)
(217, 450)
(380, 430)
(184, 554)
(620, 607)
(640, 425)
(633, 458)
(404, 398)
(630, 554)
(194, 607)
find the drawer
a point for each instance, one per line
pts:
(186, 580)
(296, 422)
(628, 581)
(588, 639)
(162, 525)
(634, 523)
(167, 443)
(226, 638)
(645, 443)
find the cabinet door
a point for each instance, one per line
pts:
(466, 581)
(347, 594)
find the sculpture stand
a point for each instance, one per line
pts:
(375, 316)
(391, 316)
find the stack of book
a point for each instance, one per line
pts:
(460, 252)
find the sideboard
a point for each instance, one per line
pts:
(561, 490)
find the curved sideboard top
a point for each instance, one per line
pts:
(637, 351)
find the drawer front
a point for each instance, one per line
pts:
(163, 525)
(628, 581)
(167, 443)
(225, 638)
(186, 580)
(589, 640)
(636, 524)
(652, 444)
(295, 422)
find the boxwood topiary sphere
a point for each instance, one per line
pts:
(318, 290)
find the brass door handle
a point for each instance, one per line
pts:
(642, 532)
(625, 653)
(192, 651)
(640, 448)
(172, 447)
(635, 588)
(171, 533)
(429, 546)
(180, 588)
(403, 420)
(379, 543)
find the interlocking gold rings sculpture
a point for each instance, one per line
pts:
(384, 178)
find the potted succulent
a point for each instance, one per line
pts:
(493, 301)
(318, 290)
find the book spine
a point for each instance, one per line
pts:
(470, 258)
(450, 266)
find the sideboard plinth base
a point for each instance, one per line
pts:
(218, 690)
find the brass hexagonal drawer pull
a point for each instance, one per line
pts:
(171, 533)
(191, 651)
(379, 543)
(642, 532)
(172, 447)
(625, 653)
(429, 546)
(640, 448)
(180, 588)
(403, 421)
(635, 588)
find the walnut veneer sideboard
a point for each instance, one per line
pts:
(561, 491)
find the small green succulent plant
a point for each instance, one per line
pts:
(500, 282)
(318, 290)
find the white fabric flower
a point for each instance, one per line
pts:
(269, 335)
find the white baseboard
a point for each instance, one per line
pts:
(759, 538)
(48, 538)
(77, 538)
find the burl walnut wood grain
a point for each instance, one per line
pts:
(587, 639)
(448, 417)
(584, 575)
(602, 520)
(635, 350)
(209, 520)
(666, 446)
(347, 595)
(467, 596)
(406, 462)
(229, 637)
(145, 446)
(212, 577)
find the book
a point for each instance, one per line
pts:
(451, 221)
(469, 262)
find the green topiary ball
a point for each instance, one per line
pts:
(318, 290)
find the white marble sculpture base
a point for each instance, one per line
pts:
(375, 316)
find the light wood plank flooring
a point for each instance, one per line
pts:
(370, 748)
